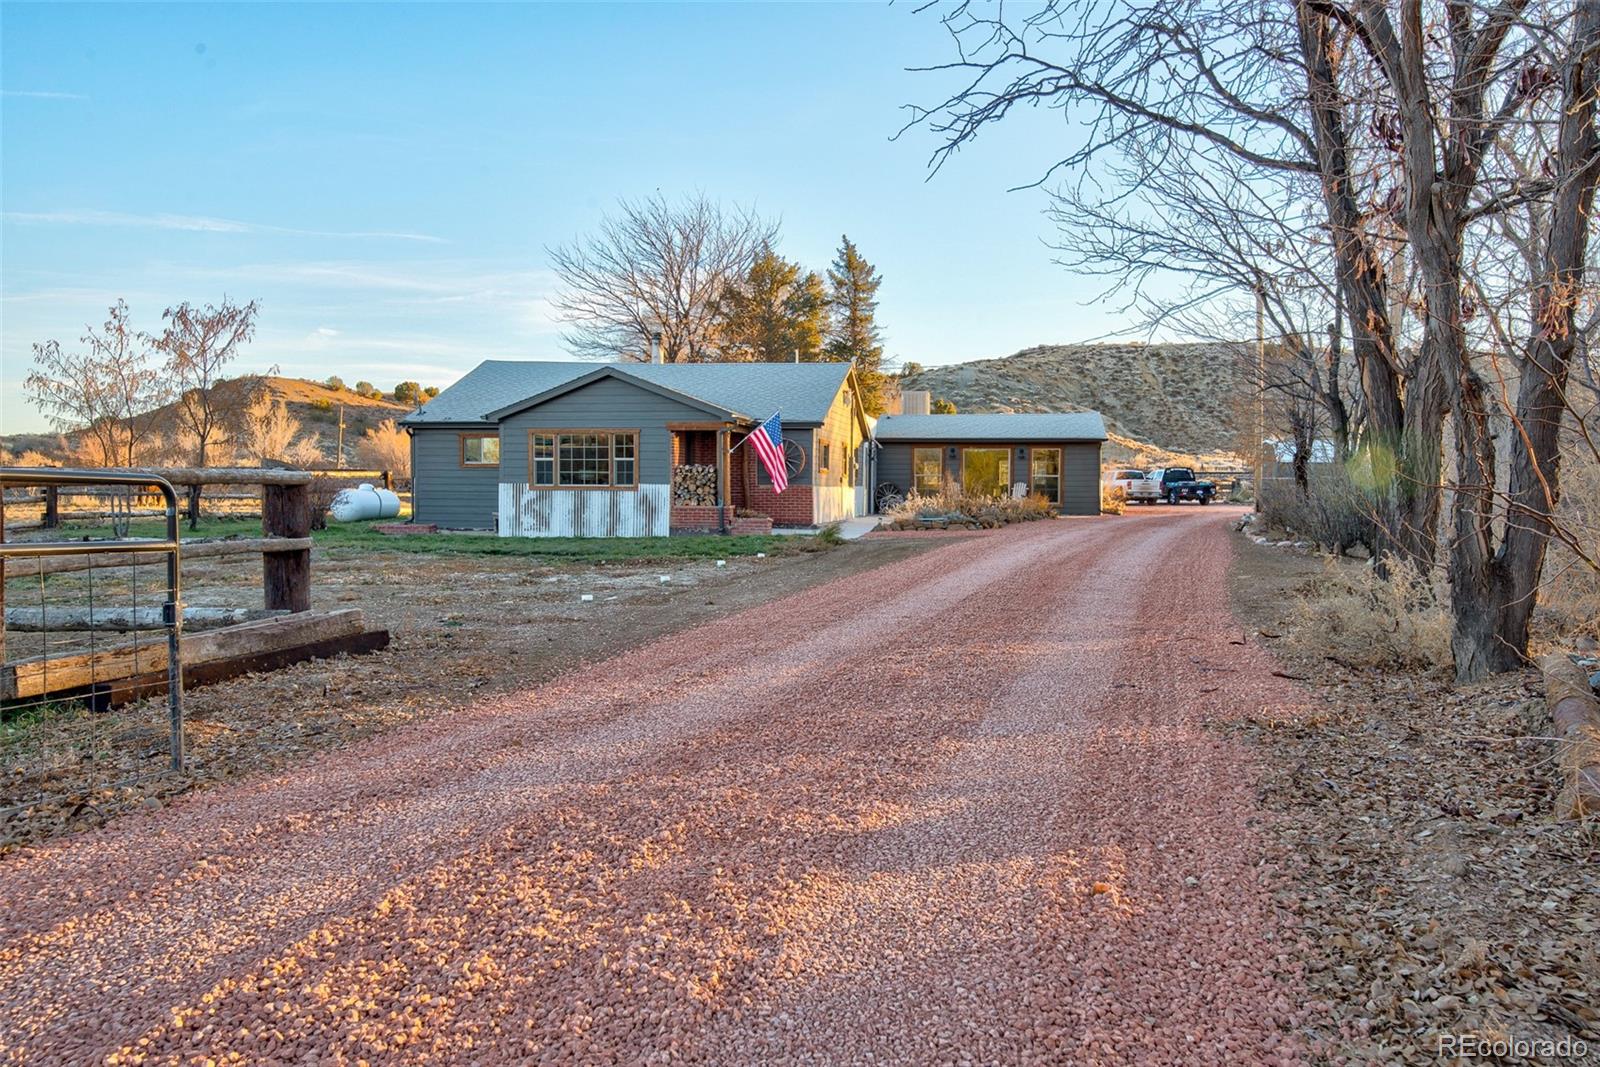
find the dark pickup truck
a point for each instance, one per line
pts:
(1176, 484)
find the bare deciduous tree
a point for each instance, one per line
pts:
(109, 392)
(199, 343)
(656, 266)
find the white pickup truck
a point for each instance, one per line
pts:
(1124, 478)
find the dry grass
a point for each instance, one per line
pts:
(1358, 619)
(1113, 499)
(1570, 596)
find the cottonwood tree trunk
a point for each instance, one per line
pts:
(1496, 591)
(1402, 441)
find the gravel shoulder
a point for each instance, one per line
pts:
(940, 811)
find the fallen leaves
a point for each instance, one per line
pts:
(1442, 896)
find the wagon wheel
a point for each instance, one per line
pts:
(794, 458)
(889, 496)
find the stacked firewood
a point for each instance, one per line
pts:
(694, 483)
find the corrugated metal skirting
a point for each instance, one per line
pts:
(642, 512)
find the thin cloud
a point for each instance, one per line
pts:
(198, 224)
(42, 94)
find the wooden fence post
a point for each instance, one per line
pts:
(286, 576)
(52, 507)
(388, 480)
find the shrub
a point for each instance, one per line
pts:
(408, 392)
(335, 383)
(322, 489)
(1113, 499)
(1359, 619)
(1332, 511)
(386, 447)
(953, 501)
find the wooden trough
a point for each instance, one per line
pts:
(130, 670)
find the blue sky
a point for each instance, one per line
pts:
(385, 178)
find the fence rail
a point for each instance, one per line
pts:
(51, 498)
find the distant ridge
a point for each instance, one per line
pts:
(314, 404)
(1179, 398)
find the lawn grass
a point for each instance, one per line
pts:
(340, 538)
(149, 527)
(361, 536)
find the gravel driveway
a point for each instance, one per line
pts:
(939, 812)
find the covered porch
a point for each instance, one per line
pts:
(709, 482)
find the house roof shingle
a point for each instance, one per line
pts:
(1062, 426)
(803, 392)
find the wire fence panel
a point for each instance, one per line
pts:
(74, 641)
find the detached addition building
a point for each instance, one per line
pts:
(1056, 456)
(566, 449)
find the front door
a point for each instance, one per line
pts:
(986, 471)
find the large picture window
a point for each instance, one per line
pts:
(480, 450)
(584, 459)
(927, 470)
(1045, 474)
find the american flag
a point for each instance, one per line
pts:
(767, 440)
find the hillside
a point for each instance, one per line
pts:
(1179, 398)
(312, 403)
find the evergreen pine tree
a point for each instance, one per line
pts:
(853, 331)
(777, 310)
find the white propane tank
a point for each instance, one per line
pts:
(364, 502)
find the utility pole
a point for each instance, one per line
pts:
(1261, 389)
(338, 460)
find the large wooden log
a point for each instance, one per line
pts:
(192, 550)
(286, 576)
(1575, 714)
(119, 619)
(43, 675)
(229, 475)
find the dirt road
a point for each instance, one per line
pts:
(958, 809)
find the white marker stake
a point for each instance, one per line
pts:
(664, 578)
(761, 555)
(722, 563)
(587, 597)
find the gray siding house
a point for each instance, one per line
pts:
(537, 449)
(1054, 455)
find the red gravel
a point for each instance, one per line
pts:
(957, 809)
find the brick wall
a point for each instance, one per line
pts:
(696, 518)
(792, 507)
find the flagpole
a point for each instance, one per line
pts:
(746, 437)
